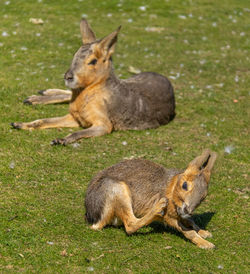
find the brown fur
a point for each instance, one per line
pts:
(138, 192)
(99, 101)
(88, 108)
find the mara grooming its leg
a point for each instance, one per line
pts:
(65, 121)
(190, 234)
(119, 205)
(49, 96)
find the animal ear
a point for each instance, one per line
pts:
(106, 46)
(87, 33)
(210, 162)
(204, 163)
(201, 161)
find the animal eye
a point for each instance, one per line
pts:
(92, 62)
(185, 186)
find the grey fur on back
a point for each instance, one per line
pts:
(143, 101)
(144, 178)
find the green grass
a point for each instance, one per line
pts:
(42, 187)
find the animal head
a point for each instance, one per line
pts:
(192, 185)
(91, 64)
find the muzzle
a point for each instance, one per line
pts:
(184, 212)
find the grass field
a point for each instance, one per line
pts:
(203, 47)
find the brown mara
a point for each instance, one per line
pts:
(100, 102)
(137, 192)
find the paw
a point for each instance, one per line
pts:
(31, 100)
(27, 101)
(35, 100)
(206, 245)
(160, 207)
(16, 125)
(204, 234)
(59, 141)
(42, 92)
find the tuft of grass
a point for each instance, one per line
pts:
(203, 47)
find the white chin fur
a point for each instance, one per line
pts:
(71, 84)
(182, 213)
(185, 216)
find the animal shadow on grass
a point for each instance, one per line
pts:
(201, 220)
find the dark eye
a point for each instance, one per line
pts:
(185, 186)
(92, 62)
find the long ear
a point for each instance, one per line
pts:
(87, 33)
(210, 162)
(201, 161)
(204, 163)
(106, 46)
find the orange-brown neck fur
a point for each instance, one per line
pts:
(170, 191)
(88, 106)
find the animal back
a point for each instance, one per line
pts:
(140, 102)
(144, 178)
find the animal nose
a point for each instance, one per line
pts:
(69, 75)
(186, 211)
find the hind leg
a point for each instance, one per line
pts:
(49, 96)
(119, 205)
(92, 131)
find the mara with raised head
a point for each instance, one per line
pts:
(99, 101)
(137, 192)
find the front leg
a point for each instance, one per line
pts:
(92, 131)
(54, 91)
(65, 121)
(190, 223)
(49, 96)
(190, 234)
(48, 99)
